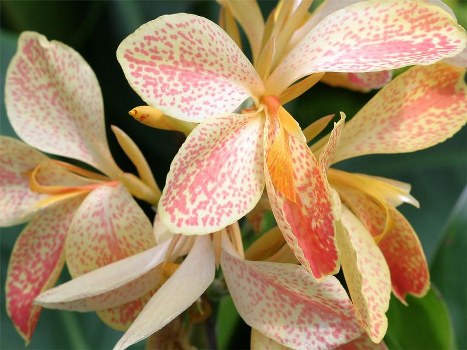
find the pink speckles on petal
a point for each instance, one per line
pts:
(370, 36)
(307, 224)
(188, 67)
(366, 274)
(54, 102)
(217, 176)
(363, 343)
(285, 303)
(418, 109)
(36, 263)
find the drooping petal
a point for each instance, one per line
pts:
(261, 342)
(363, 343)
(216, 177)
(17, 201)
(108, 286)
(358, 81)
(308, 223)
(418, 109)
(285, 303)
(36, 263)
(54, 102)
(372, 36)
(366, 274)
(108, 226)
(187, 67)
(405, 258)
(181, 290)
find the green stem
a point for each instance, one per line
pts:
(73, 331)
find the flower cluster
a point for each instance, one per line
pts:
(241, 143)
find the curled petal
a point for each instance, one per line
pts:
(285, 303)
(372, 36)
(405, 258)
(217, 176)
(181, 290)
(366, 274)
(308, 223)
(187, 67)
(54, 102)
(36, 263)
(418, 109)
(327, 153)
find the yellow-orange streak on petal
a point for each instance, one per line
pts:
(59, 197)
(313, 130)
(235, 236)
(290, 124)
(265, 246)
(268, 28)
(264, 65)
(295, 90)
(279, 163)
(80, 171)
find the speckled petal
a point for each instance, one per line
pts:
(366, 274)
(217, 176)
(405, 258)
(187, 67)
(17, 201)
(180, 291)
(363, 343)
(307, 224)
(108, 286)
(107, 227)
(285, 303)
(54, 102)
(418, 109)
(362, 82)
(261, 342)
(371, 36)
(36, 263)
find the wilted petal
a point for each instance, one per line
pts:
(109, 285)
(285, 303)
(181, 290)
(372, 36)
(363, 343)
(308, 223)
(217, 176)
(36, 263)
(418, 109)
(187, 67)
(405, 258)
(366, 274)
(108, 226)
(54, 102)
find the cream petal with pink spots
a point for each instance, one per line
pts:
(370, 36)
(366, 273)
(420, 108)
(285, 303)
(187, 67)
(307, 224)
(180, 291)
(108, 286)
(363, 343)
(217, 176)
(54, 102)
(36, 263)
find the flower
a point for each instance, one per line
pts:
(281, 300)
(379, 249)
(85, 218)
(188, 68)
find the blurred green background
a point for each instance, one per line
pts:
(438, 175)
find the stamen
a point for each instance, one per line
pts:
(235, 236)
(217, 244)
(297, 89)
(171, 248)
(313, 130)
(80, 171)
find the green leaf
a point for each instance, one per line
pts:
(448, 269)
(226, 323)
(424, 324)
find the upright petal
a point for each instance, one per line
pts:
(36, 263)
(108, 286)
(217, 176)
(308, 223)
(405, 258)
(366, 274)
(187, 67)
(54, 102)
(371, 36)
(418, 109)
(285, 303)
(181, 290)
(108, 226)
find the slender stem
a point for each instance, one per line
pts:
(73, 329)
